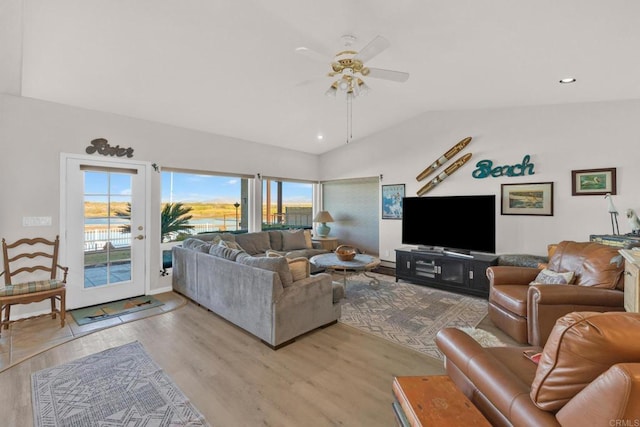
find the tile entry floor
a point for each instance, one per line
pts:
(30, 337)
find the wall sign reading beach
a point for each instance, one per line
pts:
(485, 169)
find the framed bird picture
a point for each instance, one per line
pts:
(593, 182)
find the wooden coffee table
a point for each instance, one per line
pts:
(361, 263)
(433, 401)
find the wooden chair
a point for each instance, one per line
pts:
(29, 256)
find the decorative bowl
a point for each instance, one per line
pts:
(346, 252)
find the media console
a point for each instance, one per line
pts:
(463, 273)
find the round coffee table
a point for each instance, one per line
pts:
(361, 263)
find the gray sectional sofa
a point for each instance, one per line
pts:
(231, 277)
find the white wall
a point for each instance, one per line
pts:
(33, 134)
(559, 139)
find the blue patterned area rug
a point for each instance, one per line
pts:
(121, 386)
(407, 314)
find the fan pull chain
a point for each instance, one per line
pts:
(349, 119)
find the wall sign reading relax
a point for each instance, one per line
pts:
(485, 169)
(101, 146)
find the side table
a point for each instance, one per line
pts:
(433, 401)
(328, 243)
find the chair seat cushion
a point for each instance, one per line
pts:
(31, 287)
(511, 297)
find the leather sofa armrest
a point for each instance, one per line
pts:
(548, 303)
(575, 295)
(511, 275)
(610, 400)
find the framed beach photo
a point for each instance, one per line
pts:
(392, 201)
(527, 199)
(591, 182)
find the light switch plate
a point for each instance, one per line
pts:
(36, 221)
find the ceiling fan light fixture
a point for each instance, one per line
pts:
(333, 90)
(363, 88)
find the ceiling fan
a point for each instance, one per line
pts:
(348, 66)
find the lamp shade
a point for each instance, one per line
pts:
(323, 216)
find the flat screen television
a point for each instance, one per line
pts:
(456, 223)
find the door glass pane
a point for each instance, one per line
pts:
(286, 205)
(107, 236)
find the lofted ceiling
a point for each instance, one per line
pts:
(230, 67)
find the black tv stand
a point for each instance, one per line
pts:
(459, 253)
(448, 270)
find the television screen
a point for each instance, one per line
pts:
(465, 223)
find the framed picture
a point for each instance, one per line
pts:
(392, 201)
(535, 198)
(588, 182)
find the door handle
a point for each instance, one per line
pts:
(139, 237)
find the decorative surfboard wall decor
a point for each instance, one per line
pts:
(447, 172)
(444, 158)
(440, 162)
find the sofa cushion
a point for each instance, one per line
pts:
(293, 239)
(276, 264)
(254, 243)
(550, 277)
(594, 264)
(222, 250)
(583, 345)
(275, 239)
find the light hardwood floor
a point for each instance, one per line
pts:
(332, 376)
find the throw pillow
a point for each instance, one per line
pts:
(293, 239)
(300, 268)
(196, 245)
(549, 277)
(230, 244)
(581, 346)
(221, 250)
(307, 239)
(276, 264)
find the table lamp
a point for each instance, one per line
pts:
(323, 217)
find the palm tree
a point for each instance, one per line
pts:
(173, 219)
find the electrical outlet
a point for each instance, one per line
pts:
(36, 221)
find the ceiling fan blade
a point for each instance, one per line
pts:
(396, 76)
(314, 55)
(310, 81)
(374, 47)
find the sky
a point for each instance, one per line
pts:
(185, 187)
(207, 188)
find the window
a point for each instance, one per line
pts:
(286, 204)
(195, 203)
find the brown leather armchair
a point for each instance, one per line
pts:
(527, 312)
(588, 373)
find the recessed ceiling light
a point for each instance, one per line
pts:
(320, 137)
(567, 80)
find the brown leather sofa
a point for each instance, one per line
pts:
(527, 312)
(588, 374)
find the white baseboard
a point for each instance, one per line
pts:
(160, 290)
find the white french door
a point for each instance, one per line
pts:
(105, 229)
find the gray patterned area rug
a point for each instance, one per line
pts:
(121, 386)
(407, 314)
